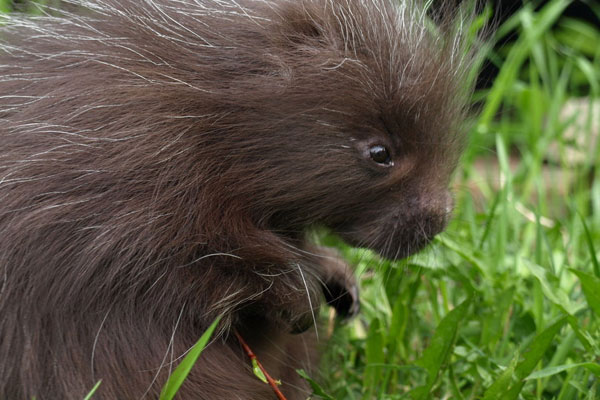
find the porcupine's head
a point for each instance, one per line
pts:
(364, 112)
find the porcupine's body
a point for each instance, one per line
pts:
(161, 160)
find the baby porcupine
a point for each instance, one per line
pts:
(162, 160)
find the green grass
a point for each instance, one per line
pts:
(506, 303)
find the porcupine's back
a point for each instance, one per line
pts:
(155, 154)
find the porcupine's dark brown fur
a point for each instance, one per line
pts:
(161, 161)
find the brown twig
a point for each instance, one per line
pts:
(253, 359)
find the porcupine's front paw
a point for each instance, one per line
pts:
(339, 283)
(338, 286)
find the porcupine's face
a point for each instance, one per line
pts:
(375, 150)
(378, 177)
(397, 168)
(409, 201)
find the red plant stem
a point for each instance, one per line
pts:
(252, 357)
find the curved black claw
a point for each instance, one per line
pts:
(344, 298)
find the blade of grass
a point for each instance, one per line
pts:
(519, 53)
(488, 222)
(591, 289)
(498, 388)
(91, 393)
(509, 389)
(176, 379)
(555, 294)
(375, 356)
(543, 373)
(591, 247)
(440, 348)
(317, 389)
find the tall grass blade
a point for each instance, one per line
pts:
(317, 389)
(438, 352)
(592, 367)
(518, 54)
(509, 389)
(91, 393)
(591, 289)
(591, 247)
(176, 379)
(375, 355)
(498, 388)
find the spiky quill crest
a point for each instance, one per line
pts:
(161, 160)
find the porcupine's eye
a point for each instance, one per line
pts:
(380, 155)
